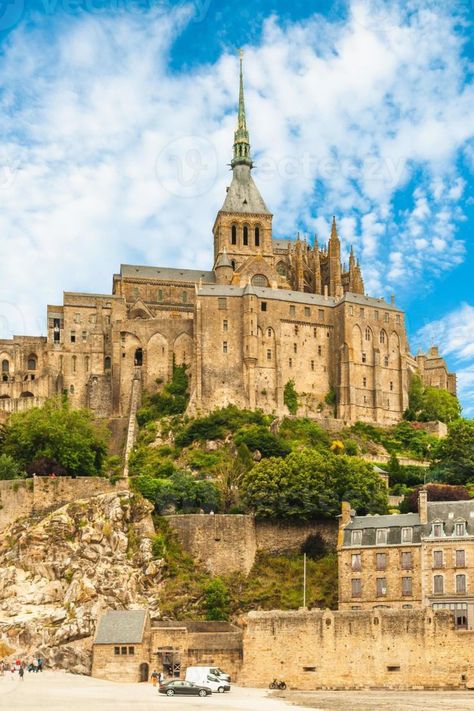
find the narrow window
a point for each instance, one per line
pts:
(290, 362)
(382, 336)
(385, 361)
(364, 357)
(351, 311)
(234, 234)
(269, 333)
(84, 336)
(87, 363)
(73, 336)
(437, 559)
(184, 297)
(460, 583)
(138, 359)
(391, 386)
(246, 235)
(376, 315)
(356, 587)
(381, 561)
(320, 350)
(131, 650)
(315, 332)
(397, 318)
(356, 537)
(381, 587)
(263, 306)
(160, 294)
(257, 237)
(77, 318)
(367, 334)
(381, 536)
(222, 304)
(356, 561)
(269, 354)
(361, 312)
(123, 650)
(460, 559)
(460, 529)
(312, 365)
(438, 584)
(74, 363)
(407, 586)
(31, 363)
(5, 366)
(364, 382)
(107, 363)
(225, 325)
(295, 348)
(296, 330)
(407, 560)
(386, 317)
(224, 347)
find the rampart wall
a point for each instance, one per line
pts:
(229, 542)
(22, 497)
(390, 649)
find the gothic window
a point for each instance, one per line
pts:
(281, 268)
(259, 280)
(32, 362)
(257, 236)
(269, 333)
(107, 363)
(5, 366)
(382, 336)
(246, 235)
(367, 334)
(233, 232)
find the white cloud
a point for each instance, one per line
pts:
(110, 157)
(454, 333)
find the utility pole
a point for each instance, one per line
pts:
(304, 580)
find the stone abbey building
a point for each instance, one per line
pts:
(270, 310)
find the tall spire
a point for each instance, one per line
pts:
(241, 135)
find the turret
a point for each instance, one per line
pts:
(316, 267)
(223, 268)
(334, 255)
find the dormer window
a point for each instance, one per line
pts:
(381, 536)
(437, 530)
(356, 538)
(407, 535)
(460, 528)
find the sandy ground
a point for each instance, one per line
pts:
(58, 691)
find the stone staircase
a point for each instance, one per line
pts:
(132, 430)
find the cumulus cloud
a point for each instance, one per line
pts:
(454, 334)
(108, 156)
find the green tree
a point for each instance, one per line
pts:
(454, 455)
(9, 468)
(71, 437)
(217, 600)
(428, 403)
(180, 491)
(436, 492)
(310, 484)
(258, 437)
(290, 397)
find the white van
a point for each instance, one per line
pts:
(205, 677)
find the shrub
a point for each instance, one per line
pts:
(305, 432)
(9, 468)
(217, 600)
(290, 397)
(258, 437)
(218, 424)
(172, 400)
(315, 546)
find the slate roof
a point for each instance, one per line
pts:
(166, 273)
(243, 196)
(121, 627)
(441, 510)
(387, 521)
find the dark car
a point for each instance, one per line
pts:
(184, 687)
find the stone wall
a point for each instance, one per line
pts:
(229, 542)
(390, 649)
(22, 497)
(107, 665)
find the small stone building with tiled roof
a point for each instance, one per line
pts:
(121, 650)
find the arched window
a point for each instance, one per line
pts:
(281, 268)
(269, 333)
(257, 236)
(138, 360)
(368, 334)
(5, 366)
(32, 362)
(382, 336)
(259, 280)
(246, 235)
(233, 237)
(107, 363)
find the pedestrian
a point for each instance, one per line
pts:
(154, 677)
(21, 673)
(40, 664)
(161, 677)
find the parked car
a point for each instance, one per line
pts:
(188, 688)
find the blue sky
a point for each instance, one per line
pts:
(117, 119)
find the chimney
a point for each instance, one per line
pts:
(423, 505)
(345, 517)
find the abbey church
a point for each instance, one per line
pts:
(270, 311)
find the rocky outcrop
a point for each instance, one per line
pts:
(60, 572)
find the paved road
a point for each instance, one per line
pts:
(383, 700)
(58, 691)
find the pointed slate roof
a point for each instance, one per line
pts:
(121, 627)
(243, 195)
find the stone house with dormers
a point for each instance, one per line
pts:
(270, 310)
(415, 560)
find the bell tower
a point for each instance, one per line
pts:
(243, 225)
